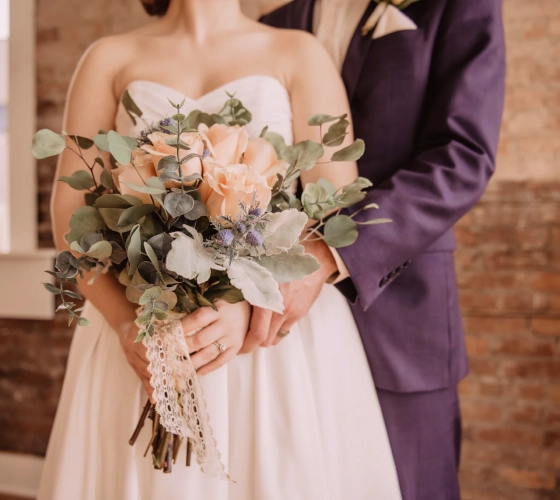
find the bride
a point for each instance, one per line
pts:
(298, 421)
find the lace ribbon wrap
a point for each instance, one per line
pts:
(178, 394)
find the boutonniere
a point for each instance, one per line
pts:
(388, 17)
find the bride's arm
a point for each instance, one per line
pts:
(90, 107)
(315, 87)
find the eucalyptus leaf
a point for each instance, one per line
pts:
(340, 231)
(317, 120)
(303, 155)
(100, 250)
(350, 153)
(336, 133)
(83, 221)
(178, 204)
(130, 106)
(47, 143)
(374, 222)
(257, 284)
(151, 294)
(134, 249)
(277, 142)
(112, 216)
(134, 214)
(83, 322)
(153, 257)
(168, 163)
(82, 142)
(359, 184)
(224, 292)
(117, 201)
(79, 180)
(102, 142)
(107, 180)
(52, 289)
(161, 244)
(199, 210)
(119, 148)
(145, 189)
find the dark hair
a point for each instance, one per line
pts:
(156, 7)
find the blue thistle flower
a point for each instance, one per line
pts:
(165, 122)
(254, 238)
(240, 227)
(205, 153)
(255, 211)
(225, 237)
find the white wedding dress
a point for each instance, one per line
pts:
(299, 421)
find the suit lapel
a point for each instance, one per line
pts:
(357, 53)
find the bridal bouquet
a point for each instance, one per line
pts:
(192, 211)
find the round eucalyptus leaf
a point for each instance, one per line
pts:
(317, 120)
(119, 148)
(145, 189)
(83, 221)
(47, 143)
(79, 180)
(82, 142)
(168, 163)
(340, 231)
(350, 153)
(151, 294)
(178, 204)
(102, 142)
(133, 214)
(100, 250)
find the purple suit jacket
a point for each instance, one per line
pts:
(428, 104)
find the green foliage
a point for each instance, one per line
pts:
(178, 204)
(350, 153)
(79, 180)
(130, 106)
(318, 120)
(82, 142)
(283, 230)
(135, 214)
(303, 155)
(134, 249)
(84, 220)
(47, 143)
(340, 231)
(120, 148)
(336, 133)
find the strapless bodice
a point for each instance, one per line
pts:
(264, 96)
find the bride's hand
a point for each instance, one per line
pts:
(227, 326)
(135, 353)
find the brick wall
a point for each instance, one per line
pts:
(508, 265)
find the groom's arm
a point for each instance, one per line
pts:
(456, 151)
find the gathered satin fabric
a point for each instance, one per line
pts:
(298, 421)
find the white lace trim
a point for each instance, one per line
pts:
(178, 394)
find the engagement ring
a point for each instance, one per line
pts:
(221, 347)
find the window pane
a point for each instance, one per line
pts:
(4, 206)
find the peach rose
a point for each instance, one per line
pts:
(161, 149)
(261, 155)
(145, 169)
(225, 187)
(226, 144)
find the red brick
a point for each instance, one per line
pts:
(523, 347)
(493, 389)
(552, 417)
(546, 282)
(510, 435)
(495, 325)
(532, 238)
(530, 479)
(531, 392)
(531, 369)
(476, 345)
(479, 411)
(553, 392)
(546, 326)
(525, 414)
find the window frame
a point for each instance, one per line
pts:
(22, 268)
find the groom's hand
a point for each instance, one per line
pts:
(299, 296)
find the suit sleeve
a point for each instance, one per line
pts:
(456, 149)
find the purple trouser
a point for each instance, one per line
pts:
(425, 434)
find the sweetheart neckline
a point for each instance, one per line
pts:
(211, 92)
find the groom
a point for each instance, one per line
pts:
(425, 84)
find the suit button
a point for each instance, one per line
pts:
(383, 282)
(406, 264)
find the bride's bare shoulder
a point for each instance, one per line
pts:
(300, 53)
